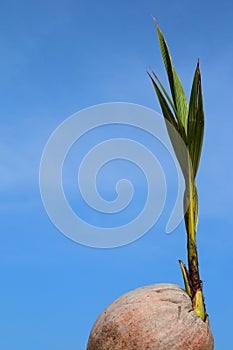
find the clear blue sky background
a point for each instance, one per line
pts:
(58, 57)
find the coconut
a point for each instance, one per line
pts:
(155, 317)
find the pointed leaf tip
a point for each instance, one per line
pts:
(154, 19)
(198, 66)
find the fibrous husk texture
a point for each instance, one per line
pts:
(156, 317)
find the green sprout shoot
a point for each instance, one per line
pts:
(187, 119)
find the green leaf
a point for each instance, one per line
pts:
(178, 139)
(165, 92)
(167, 113)
(177, 91)
(195, 121)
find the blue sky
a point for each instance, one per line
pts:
(58, 57)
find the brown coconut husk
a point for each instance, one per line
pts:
(155, 317)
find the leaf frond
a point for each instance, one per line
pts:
(196, 121)
(177, 91)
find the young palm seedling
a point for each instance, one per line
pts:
(164, 316)
(187, 119)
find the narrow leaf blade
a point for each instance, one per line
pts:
(178, 139)
(165, 93)
(167, 113)
(167, 61)
(177, 91)
(196, 121)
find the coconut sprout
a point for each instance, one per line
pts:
(165, 316)
(187, 119)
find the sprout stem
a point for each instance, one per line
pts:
(191, 218)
